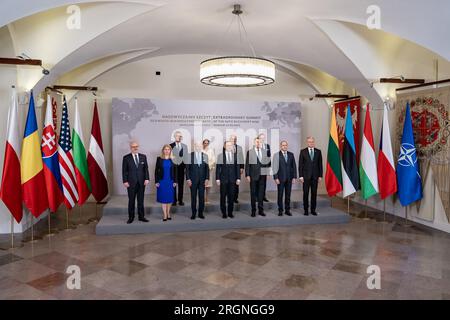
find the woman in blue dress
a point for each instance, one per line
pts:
(165, 173)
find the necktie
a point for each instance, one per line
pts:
(285, 156)
(311, 154)
(258, 152)
(136, 160)
(229, 158)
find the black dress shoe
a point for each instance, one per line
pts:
(130, 220)
(193, 217)
(306, 213)
(314, 213)
(266, 200)
(201, 216)
(143, 219)
(181, 203)
(224, 216)
(288, 213)
(253, 214)
(230, 215)
(236, 201)
(262, 214)
(280, 213)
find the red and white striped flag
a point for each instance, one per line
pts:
(96, 160)
(387, 178)
(11, 189)
(66, 164)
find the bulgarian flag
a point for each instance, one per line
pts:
(80, 160)
(387, 177)
(368, 163)
(333, 175)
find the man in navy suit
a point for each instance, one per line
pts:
(135, 177)
(197, 176)
(228, 176)
(285, 174)
(310, 172)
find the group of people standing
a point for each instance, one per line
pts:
(201, 167)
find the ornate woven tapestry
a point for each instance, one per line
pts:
(431, 124)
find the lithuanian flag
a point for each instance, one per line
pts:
(333, 175)
(31, 167)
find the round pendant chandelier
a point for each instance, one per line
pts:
(237, 71)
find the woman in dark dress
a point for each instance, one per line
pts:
(165, 180)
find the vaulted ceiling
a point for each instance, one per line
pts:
(325, 42)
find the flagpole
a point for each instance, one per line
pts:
(32, 230)
(67, 221)
(365, 210)
(12, 232)
(80, 221)
(384, 211)
(50, 233)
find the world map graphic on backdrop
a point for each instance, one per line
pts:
(431, 125)
(153, 121)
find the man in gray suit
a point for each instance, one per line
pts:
(180, 156)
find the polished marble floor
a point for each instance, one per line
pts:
(298, 262)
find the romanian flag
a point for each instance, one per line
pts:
(333, 175)
(33, 179)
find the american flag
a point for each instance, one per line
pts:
(66, 163)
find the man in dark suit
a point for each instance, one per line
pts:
(197, 176)
(227, 177)
(180, 154)
(285, 174)
(257, 167)
(135, 177)
(241, 163)
(266, 147)
(310, 172)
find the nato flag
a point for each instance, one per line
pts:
(408, 174)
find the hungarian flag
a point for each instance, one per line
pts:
(350, 177)
(96, 160)
(66, 165)
(387, 179)
(333, 175)
(80, 159)
(31, 167)
(11, 189)
(368, 165)
(49, 147)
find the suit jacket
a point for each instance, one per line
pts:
(180, 156)
(310, 169)
(240, 156)
(159, 170)
(267, 148)
(284, 171)
(227, 172)
(254, 167)
(196, 173)
(132, 174)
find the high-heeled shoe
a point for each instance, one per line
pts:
(169, 218)
(164, 220)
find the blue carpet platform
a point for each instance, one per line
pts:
(115, 216)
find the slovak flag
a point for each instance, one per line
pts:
(49, 147)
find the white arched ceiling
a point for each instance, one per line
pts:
(88, 72)
(282, 30)
(45, 35)
(12, 10)
(378, 54)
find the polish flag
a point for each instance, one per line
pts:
(387, 179)
(11, 188)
